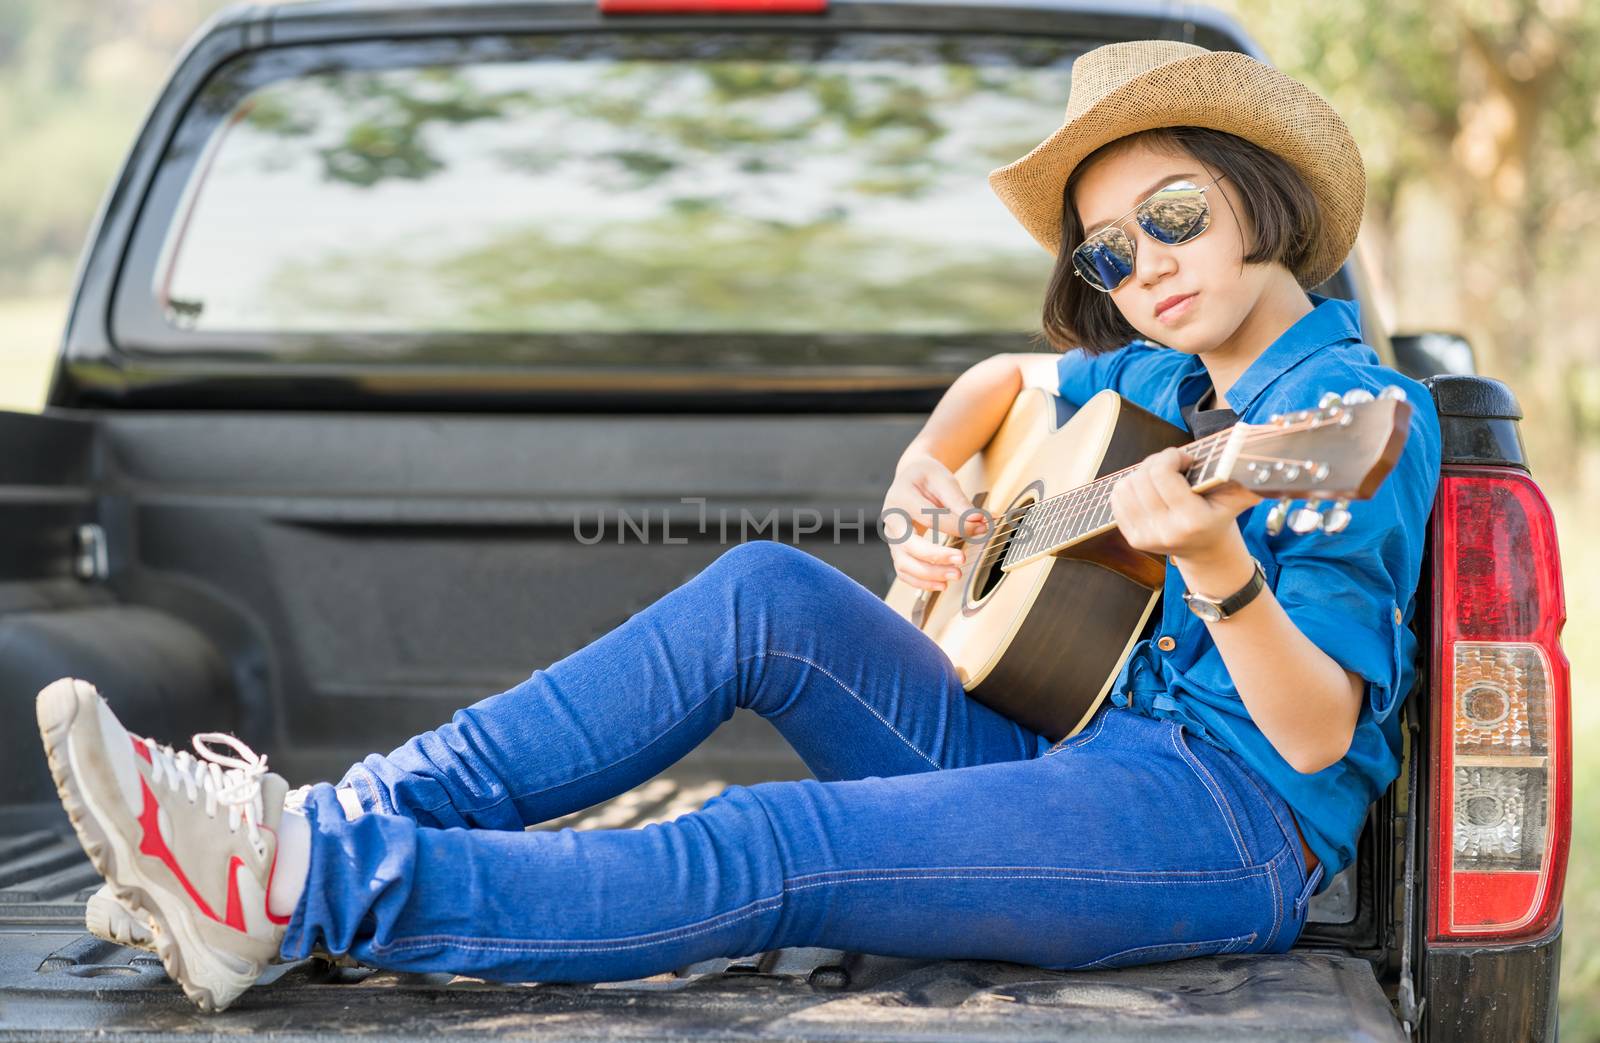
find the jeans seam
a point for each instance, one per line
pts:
(1237, 943)
(854, 695)
(1277, 902)
(375, 789)
(479, 944)
(1288, 853)
(1305, 889)
(1073, 743)
(1291, 834)
(1154, 876)
(1210, 783)
(1291, 852)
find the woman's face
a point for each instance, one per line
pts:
(1192, 296)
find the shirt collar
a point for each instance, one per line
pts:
(1329, 321)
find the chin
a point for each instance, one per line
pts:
(1188, 341)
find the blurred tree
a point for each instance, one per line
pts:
(1478, 120)
(75, 76)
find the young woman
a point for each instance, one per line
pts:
(1190, 199)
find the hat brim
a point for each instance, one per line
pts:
(1220, 90)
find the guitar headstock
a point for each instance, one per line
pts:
(1341, 451)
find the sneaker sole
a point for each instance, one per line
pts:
(202, 977)
(108, 919)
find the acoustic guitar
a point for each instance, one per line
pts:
(1051, 600)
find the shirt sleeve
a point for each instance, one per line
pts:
(1352, 593)
(1083, 375)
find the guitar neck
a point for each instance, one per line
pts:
(1070, 517)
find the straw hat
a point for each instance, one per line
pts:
(1122, 88)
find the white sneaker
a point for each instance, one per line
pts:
(149, 820)
(110, 920)
(107, 918)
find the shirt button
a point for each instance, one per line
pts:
(1398, 615)
(1166, 644)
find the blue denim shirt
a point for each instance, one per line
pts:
(1352, 593)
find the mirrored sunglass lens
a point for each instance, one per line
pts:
(1105, 260)
(1175, 214)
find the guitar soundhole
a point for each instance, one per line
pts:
(987, 575)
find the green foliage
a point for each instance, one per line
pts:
(646, 275)
(75, 78)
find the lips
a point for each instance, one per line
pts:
(1172, 302)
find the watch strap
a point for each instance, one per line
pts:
(1245, 594)
(1241, 597)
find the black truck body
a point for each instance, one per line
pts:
(328, 548)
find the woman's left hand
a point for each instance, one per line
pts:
(1159, 513)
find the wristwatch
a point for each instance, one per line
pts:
(1214, 611)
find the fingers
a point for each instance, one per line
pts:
(1136, 504)
(896, 525)
(1154, 505)
(1167, 479)
(943, 488)
(925, 564)
(1149, 502)
(1233, 498)
(1126, 510)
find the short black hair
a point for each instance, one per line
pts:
(1282, 212)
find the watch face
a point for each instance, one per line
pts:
(1206, 610)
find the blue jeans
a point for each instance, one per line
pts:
(935, 827)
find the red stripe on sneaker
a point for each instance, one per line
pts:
(155, 845)
(235, 906)
(152, 843)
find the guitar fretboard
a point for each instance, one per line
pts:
(1065, 518)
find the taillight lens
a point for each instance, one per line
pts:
(1502, 793)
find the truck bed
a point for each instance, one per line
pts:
(56, 980)
(270, 538)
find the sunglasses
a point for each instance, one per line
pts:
(1175, 213)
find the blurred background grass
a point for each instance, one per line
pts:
(1476, 118)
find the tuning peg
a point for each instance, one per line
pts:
(1338, 517)
(1306, 519)
(1276, 515)
(1393, 391)
(1329, 398)
(1356, 396)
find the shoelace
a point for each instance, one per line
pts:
(233, 782)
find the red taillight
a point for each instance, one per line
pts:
(712, 6)
(1502, 791)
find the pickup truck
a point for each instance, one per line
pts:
(395, 305)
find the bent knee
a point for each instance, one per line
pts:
(769, 559)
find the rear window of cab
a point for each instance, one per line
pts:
(745, 199)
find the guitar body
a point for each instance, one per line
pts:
(1043, 643)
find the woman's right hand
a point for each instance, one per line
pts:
(925, 495)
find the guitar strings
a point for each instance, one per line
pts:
(1099, 499)
(1087, 507)
(1208, 443)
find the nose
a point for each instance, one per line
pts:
(1152, 261)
